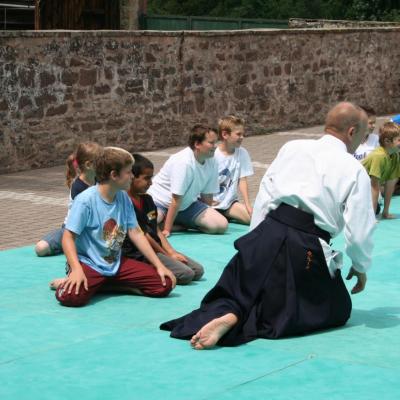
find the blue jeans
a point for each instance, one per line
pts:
(54, 239)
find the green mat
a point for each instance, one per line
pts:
(112, 348)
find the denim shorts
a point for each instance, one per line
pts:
(188, 216)
(54, 239)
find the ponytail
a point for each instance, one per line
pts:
(71, 171)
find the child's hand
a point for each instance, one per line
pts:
(180, 257)
(164, 272)
(166, 233)
(75, 278)
(249, 210)
(361, 280)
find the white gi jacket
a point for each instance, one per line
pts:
(321, 178)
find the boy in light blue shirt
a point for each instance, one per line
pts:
(99, 220)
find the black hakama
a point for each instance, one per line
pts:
(277, 284)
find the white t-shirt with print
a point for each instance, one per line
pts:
(365, 148)
(230, 169)
(184, 176)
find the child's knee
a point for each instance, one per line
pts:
(159, 290)
(198, 272)
(219, 226)
(42, 248)
(71, 299)
(185, 277)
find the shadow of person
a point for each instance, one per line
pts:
(377, 318)
(106, 295)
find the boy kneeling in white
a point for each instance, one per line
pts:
(187, 176)
(234, 166)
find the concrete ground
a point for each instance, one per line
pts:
(34, 202)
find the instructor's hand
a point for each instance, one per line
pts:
(361, 280)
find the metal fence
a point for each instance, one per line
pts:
(17, 14)
(177, 23)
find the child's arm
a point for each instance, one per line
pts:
(244, 191)
(76, 276)
(206, 198)
(169, 250)
(389, 190)
(138, 238)
(171, 214)
(155, 246)
(375, 190)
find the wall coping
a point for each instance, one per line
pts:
(244, 32)
(362, 24)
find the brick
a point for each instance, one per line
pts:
(91, 126)
(46, 79)
(102, 89)
(69, 78)
(57, 110)
(87, 77)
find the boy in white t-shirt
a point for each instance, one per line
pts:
(186, 176)
(234, 166)
(371, 140)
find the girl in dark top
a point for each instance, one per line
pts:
(80, 175)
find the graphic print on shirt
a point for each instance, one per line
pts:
(151, 216)
(114, 236)
(225, 180)
(360, 157)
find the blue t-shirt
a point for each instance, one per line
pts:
(101, 228)
(396, 119)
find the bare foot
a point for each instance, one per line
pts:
(55, 283)
(388, 216)
(208, 336)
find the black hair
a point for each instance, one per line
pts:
(369, 110)
(140, 164)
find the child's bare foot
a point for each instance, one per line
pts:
(210, 333)
(388, 216)
(179, 228)
(55, 283)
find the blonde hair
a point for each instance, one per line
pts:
(389, 130)
(88, 151)
(112, 159)
(228, 124)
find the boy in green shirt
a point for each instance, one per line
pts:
(383, 165)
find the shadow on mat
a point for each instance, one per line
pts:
(105, 296)
(377, 318)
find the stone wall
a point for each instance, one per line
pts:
(143, 90)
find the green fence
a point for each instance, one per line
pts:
(178, 23)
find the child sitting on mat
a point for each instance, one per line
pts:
(80, 175)
(371, 140)
(234, 166)
(184, 268)
(97, 224)
(383, 165)
(184, 187)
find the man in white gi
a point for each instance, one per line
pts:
(285, 279)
